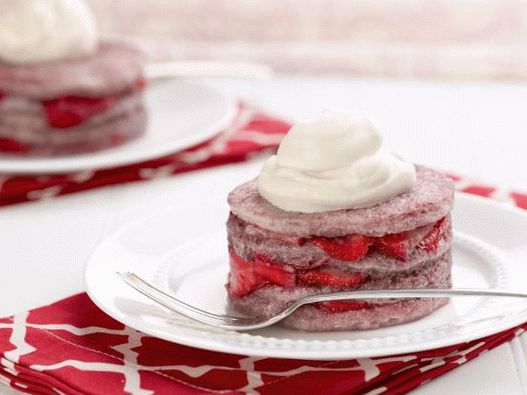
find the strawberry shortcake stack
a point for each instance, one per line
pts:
(334, 211)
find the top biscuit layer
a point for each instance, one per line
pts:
(431, 199)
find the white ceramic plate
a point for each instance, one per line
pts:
(184, 251)
(180, 113)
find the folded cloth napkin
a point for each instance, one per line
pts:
(72, 347)
(250, 132)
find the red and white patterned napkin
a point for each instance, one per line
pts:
(251, 131)
(72, 347)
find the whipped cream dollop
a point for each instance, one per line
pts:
(46, 30)
(336, 162)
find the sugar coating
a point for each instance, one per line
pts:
(267, 301)
(248, 240)
(430, 200)
(114, 68)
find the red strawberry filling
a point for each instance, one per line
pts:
(432, 239)
(321, 278)
(2, 95)
(348, 248)
(274, 272)
(246, 277)
(397, 245)
(69, 111)
(12, 146)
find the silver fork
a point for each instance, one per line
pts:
(229, 322)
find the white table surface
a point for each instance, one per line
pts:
(471, 128)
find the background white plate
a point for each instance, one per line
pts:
(181, 114)
(191, 261)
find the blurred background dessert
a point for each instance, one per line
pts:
(63, 90)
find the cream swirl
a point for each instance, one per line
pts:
(46, 30)
(336, 162)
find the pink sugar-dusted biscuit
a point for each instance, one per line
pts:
(278, 256)
(430, 200)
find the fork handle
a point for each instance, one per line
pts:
(411, 293)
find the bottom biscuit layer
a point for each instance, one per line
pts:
(311, 319)
(353, 315)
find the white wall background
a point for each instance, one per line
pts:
(476, 39)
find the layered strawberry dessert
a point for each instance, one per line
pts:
(334, 211)
(62, 90)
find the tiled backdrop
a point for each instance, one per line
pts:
(476, 39)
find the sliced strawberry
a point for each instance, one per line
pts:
(246, 277)
(432, 239)
(140, 84)
(400, 245)
(347, 248)
(301, 241)
(69, 111)
(341, 306)
(274, 272)
(242, 279)
(12, 146)
(396, 245)
(320, 278)
(2, 95)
